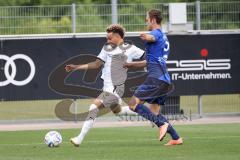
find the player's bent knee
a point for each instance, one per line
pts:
(98, 103)
(92, 107)
(133, 103)
(115, 108)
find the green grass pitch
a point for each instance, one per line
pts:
(201, 142)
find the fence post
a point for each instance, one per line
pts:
(114, 11)
(75, 110)
(200, 106)
(198, 15)
(73, 18)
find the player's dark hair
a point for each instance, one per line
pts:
(156, 14)
(116, 28)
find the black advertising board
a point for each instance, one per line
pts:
(205, 64)
(198, 64)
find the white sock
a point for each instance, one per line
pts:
(88, 124)
(126, 111)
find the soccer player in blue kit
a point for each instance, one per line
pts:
(157, 84)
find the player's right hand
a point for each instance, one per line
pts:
(69, 67)
(143, 36)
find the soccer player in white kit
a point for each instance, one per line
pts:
(113, 56)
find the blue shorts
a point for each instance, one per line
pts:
(153, 91)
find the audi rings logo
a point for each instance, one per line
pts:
(10, 77)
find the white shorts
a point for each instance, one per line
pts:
(111, 95)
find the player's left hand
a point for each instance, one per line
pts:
(127, 65)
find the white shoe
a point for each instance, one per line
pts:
(75, 141)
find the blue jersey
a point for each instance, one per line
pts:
(156, 56)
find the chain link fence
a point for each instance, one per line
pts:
(94, 18)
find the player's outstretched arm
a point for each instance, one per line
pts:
(135, 64)
(92, 65)
(147, 37)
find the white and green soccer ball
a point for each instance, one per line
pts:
(53, 139)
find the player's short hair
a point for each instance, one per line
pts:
(156, 14)
(116, 28)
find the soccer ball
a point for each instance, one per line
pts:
(53, 139)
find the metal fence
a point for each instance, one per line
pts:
(220, 15)
(94, 18)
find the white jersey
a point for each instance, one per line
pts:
(113, 72)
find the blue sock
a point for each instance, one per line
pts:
(171, 130)
(146, 113)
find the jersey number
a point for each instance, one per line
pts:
(167, 46)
